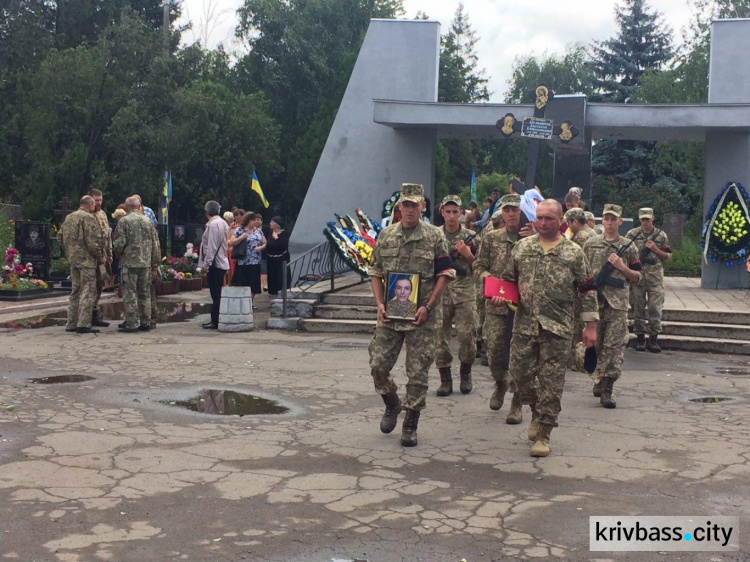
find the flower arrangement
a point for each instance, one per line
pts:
(354, 240)
(191, 256)
(726, 232)
(17, 276)
(167, 273)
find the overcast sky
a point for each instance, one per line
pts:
(506, 28)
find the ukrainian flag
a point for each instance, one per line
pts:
(255, 186)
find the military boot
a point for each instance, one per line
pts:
(534, 425)
(480, 348)
(515, 416)
(597, 390)
(652, 344)
(97, 319)
(446, 382)
(409, 430)
(541, 448)
(606, 398)
(465, 373)
(498, 395)
(392, 410)
(640, 342)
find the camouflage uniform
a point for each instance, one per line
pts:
(648, 294)
(612, 329)
(542, 331)
(138, 250)
(493, 255)
(578, 351)
(458, 302)
(101, 219)
(425, 252)
(81, 238)
(582, 235)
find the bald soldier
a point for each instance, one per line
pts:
(549, 270)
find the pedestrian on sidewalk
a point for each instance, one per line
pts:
(213, 258)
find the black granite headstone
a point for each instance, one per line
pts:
(673, 226)
(33, 243)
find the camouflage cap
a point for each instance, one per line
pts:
(645, 213)
(413, 192)
(455, 199)
(497, 218)
(510, 200)
(589, 216)
(575, 214)
(611, 209)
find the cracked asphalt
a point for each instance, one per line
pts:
(103, 470)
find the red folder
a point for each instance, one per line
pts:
(494, 287)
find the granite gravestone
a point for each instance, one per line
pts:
(673, 225)
(33, 243)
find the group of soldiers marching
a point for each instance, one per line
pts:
(89, 244)
(574, 294)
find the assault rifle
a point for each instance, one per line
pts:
(645, 256)
(604, 276)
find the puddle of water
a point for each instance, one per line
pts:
(166, 312)
(229, 403)
(62, 379)
(711, 399)
(735, 372)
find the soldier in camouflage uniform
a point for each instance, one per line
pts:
(549, 270)
(101, 272)
(458, 302)
(138, 250)
(591, 222)
(80, 237)
(494, 252)
(612, 330)
(409, 246)
(648, 295)
(576, 219)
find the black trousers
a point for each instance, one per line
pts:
(215, 282)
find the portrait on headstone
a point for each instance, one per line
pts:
(33, 243)
(402, 295)
(179, 232)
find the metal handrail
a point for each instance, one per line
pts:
(317, 264)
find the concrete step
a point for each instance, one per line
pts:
(706, 316)
(704, 345)
(346, 312)
(363, 298)
(701, 331)
(336, 326)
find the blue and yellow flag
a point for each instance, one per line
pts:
(473, 196)
(255, 186)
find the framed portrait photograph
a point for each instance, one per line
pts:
(402, 295)
(179, 232)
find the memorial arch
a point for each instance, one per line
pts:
(389, 122)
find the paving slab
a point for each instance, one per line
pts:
(108, 469)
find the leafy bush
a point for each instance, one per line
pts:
(7, 232)
(685, 262)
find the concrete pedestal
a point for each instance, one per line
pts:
(236, 310)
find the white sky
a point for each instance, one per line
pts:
(506, 28)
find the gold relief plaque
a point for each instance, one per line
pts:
(542, 96)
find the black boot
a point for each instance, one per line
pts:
(480, 348)
(606, 399)
(97, 319)
(409, 430)
(446, 382)
(465, 373)
(652, 345)
(597, 390)
(640, 342)
(392, 410)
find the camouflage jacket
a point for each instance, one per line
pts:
(136, 244)
(494, 252)
(81, 238)
(653, 267)
(425, 253)
(597, 251)
(548, 285)
(101, 218)
(582, 235)
(462, 288)
(598, 228)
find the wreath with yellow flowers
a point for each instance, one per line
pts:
(726, 232)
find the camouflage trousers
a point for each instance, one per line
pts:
(82, 297)
(152, 286)
(494, 340)
(465, 316)
(420, 353)
(136, 295)
(611, 338)
(647, 304)
(537, 366)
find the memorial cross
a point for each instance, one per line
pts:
(64, 209)
(536, 128)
